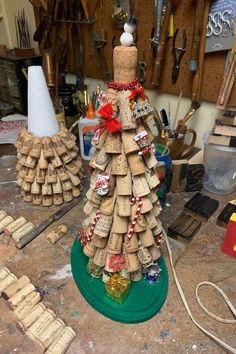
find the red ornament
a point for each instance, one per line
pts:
(110, 123)
(138, 91)
(116, 262)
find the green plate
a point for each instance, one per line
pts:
(143, 302)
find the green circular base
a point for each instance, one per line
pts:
(143, 302)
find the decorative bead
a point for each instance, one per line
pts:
(122, 86)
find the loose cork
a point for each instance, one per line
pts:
(32, 317)
(15, 225)
(7, 281)
(57, 233)
(4, 222)
(3, 214)
(48, 335)
(62, 342)
(20, 295)
(22, 231)
(41, 323)
(16, 287)
(125, 63)
(3, 273)
(27, 304)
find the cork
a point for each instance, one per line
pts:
(128, 122)
(15, 225)
(115, 243)
(155, 252)
(31, 317)
(56, 187)
(42, 163)
(47, 147)
(46, 188)
(30, 175)
(47, 336)
(22, 231)
(102, 139)
(153, 196)
(41, 323)
(75, 180)
(26, 145)
(67, 196)
(7, 281)
(89, 249)
(58, 146)
(140, 223)
(146, 237)
(152, 178)
(150, 160)
(88, 208)
(37, 199)
(4, 222)
(107, 267)
(147, 205)
(123, 205)
(20, 295)
(113, 144)
(136, 164)
(120, 224)
(30, 162)
(108, 204)
(136, 276)
(57, 233)
(75, 192)
(112, 98)
(66, 140)
(20, 138)
(66, 158)
(47, 200)
(129, 144)
(73, 167)
(27, 304)
(132, 262)
(140, 186)
(28, 197)
(156, 211)
(56, 161)
(51, 174)
(26, 186)
(66, 185)
(22, 159)
(62, 174)
(100, 257)
(124, 184)
(151, 220)
(35, 187)
(40, 175)
(19, 181)
(57, 199)
(125, 63)
(103, 226)
(62, 342)
(22, 173)
(100, 160)
(144, 256)
(99, 242)
(131, 245)
(36, 148)
(119, 164)
(94, 197)
(15, 287)
(3, 273)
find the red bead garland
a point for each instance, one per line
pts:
(123, 87)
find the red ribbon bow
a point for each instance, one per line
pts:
(138, 91)
(110, 123)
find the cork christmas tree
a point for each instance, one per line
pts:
(49, 166)
(122, 234)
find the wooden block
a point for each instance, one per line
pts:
(225, 215)
(229, 244)
(184, 227)
(222, 140)
(225, 130)
(179, 175)
(195, 177)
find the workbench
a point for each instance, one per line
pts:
(170, 331)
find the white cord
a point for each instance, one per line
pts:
(209, 334)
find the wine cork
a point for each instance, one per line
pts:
(56, 187)
(46, 188)
(42, 163)
(48, 335)
(7, 281)
(151, 220)
(150, 160)
(128, 122)
(3, 214)
(103, 225)
(88, 208)
(4, 222)
(15, 287)
(26, 145)
(41, 323)
(66, 158)
(123, 205)
(37, 199)
(102, 140)
(75, 180)
(119, 164)
(27, 304)
(3, 273)
(20, 295)
(66, 185)
(108, 204)
(58, 146)
(140, 186)
(146, 237)
(57, 233)
(22, 159)
(113, 144)
(124, 184)
(20, 138)
(23, 171)
(30, 162)
(146, 206)
(100, 160)
(156, 211)
(57, 199)
(40, 175)
(153, 196)
(131, 245)
(89, 249)
(22, 231)
(112, 98)
(115, 242)
(125, 274)
(62, 342)
(136, 164)
(47, 147)
(32, 316)
(67, 196)
(152, 178)
(28, 197)
(62, 174)
(15, 225)
(132, 262)
(75, 192)
(100, 257)
(73, 168)
(136, 276)
(19, 181)
(47, 200)
(66, 140)
(56, 161)
(35, 187)
(30, 176)
(107, 267)
(36, 148)
(120, 224)
(94, 197)
(144, 256)
(155, 252)
(130, 146)
(51, 174)
(99, 242)
(125, 63)
(26, 186)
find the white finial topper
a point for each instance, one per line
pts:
(126, 39)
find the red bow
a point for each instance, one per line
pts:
(139, 91)
(110, 123)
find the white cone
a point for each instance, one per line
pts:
(41, 115)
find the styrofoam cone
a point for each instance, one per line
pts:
(41, 115)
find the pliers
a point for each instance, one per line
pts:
(178, 53)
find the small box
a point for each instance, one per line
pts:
(117, 288)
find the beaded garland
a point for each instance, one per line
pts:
(123, 86)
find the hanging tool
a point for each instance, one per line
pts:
(178, 53)
(158, 61)
(157, 30)
(99, 41)
(119, 14)
(142, 67)
(88, 20)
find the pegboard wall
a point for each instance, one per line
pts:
(144, 11)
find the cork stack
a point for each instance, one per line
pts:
(122, 232)
(49, 168)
